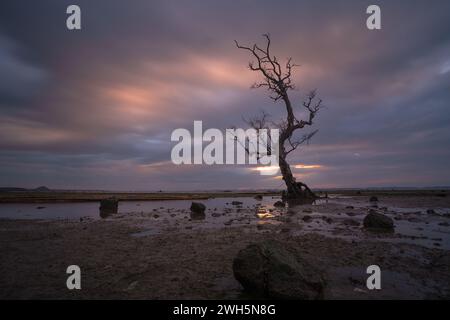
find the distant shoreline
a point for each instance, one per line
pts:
(90, 196)
(80, 196)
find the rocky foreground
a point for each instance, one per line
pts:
(320, 252)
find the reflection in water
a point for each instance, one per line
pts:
(76, 210)
(263, 213)
(197, 215)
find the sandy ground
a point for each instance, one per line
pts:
(164, 254)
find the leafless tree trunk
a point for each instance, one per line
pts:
(277, 80)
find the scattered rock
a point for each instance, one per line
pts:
(279, 204)
(40, 208)
(379, 222)
(307, 218)
(373, 199)
(270, 270)
(108, 206)
(236, 203)
(198, 207)
(350, 207)
(197, 211)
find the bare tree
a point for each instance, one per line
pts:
(278, 81)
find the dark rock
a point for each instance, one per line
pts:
(373, 199)
(378, 221)
(271, 270)
(307, 218)
(350, 207)
(236, 203)
(431, 211)
(279, 204)
(40, 208)
(198, 207)
(307, 210)
(197, 211)
(108, 206)
(258, 197)
(444, 224)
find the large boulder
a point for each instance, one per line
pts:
(108, 206)
(268, 269)
(378, 221)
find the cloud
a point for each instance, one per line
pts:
(103, 102)
(20, 79)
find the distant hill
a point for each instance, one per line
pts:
(41, 189)
(12, 189)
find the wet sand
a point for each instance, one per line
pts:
(165, 254)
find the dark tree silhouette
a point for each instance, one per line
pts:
(277, 80)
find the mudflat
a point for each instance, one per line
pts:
(165, 253)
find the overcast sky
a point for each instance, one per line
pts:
(94, 109)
